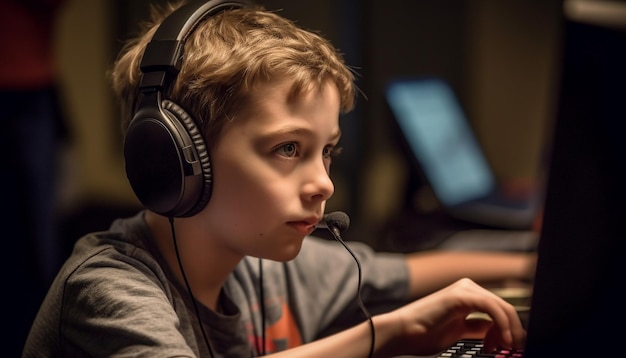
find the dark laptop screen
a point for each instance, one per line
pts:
(577, 304)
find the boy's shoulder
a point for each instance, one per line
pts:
(125, 245)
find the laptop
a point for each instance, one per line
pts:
(449, 157)
(577, 307)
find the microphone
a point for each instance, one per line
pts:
(336, 222)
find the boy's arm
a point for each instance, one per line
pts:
(425, 326)
(433, 270)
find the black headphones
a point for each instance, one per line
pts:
(166, 157)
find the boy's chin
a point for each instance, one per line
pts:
(286, 253)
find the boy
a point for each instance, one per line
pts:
(218, 264)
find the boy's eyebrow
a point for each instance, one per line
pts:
(293, 130)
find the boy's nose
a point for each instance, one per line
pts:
(318, 184)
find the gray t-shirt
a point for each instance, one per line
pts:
(115, 296)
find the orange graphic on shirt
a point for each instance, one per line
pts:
(283, 334)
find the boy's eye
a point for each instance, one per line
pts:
(288, 150)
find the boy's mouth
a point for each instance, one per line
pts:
(303, 227)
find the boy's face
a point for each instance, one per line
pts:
(271, 172)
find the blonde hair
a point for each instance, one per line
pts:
(226, 56)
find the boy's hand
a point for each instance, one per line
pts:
(436, 321)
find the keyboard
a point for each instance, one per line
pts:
(468, 348)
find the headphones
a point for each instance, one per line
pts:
(166, 158)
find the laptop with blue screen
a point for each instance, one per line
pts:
(443, 145)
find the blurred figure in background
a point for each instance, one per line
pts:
(32, 130)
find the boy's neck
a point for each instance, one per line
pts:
(205, 267)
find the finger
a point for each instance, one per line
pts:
(504, 315)
(507, 333)
(492, 341)
(477, 328)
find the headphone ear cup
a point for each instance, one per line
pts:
(201, 199)
(167, 162)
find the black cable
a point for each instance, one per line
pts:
(193, 299)
(262, 306)
(367, 314)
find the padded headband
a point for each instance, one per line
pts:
(164, 53)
